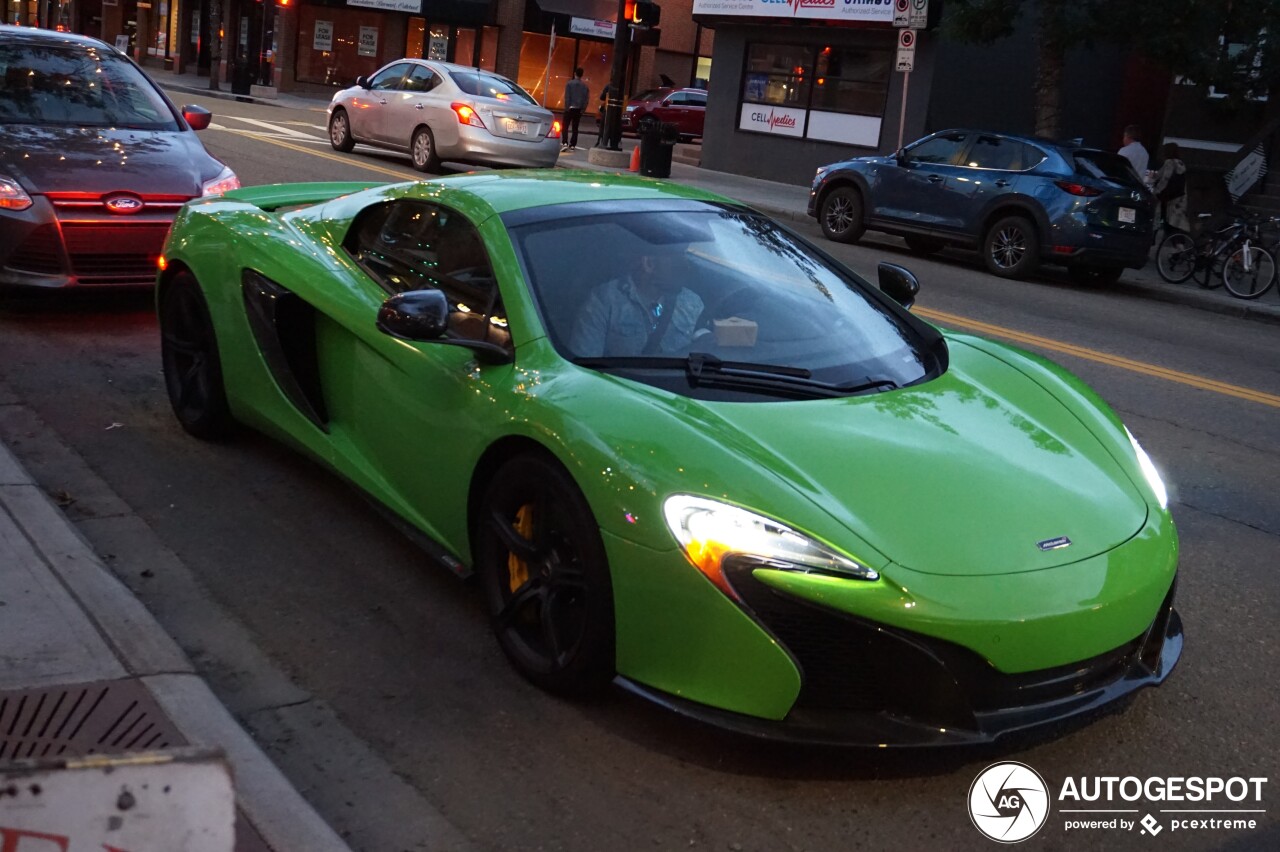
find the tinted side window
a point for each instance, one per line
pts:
(992, 152)
(697, 100)
(420, 79)
(388, 78)
(939, 149)
(411, 245)
(677, 99)
(1031, 157)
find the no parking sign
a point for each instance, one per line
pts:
(906, 50)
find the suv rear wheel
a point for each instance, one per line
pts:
(1011, 248)
(841, 215)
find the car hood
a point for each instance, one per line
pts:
(970, 474)
(100, 160)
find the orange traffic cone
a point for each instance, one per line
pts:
(635, 159)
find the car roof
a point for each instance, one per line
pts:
(1061, 146)
(520, 189)
(46, 38)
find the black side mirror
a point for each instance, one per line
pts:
(196, 116)
(423, 315)
(415, 315)
(898, 284)
(362, 82)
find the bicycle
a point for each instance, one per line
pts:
(1181, 256)
(1250, 271)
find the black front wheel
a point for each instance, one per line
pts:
(189, 356)
(422, 150)
(841, 215)
(540, 557)
(340, 131)
(1011, 248)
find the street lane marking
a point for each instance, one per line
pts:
(274, 128)
(400, 177)
(1103, 358)
(260, 134)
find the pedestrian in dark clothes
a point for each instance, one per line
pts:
(576, 95)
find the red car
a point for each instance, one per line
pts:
(685, 108)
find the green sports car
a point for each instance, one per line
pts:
(686, 451)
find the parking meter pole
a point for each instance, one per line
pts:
(611, 131)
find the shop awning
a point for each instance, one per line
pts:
(595, 10)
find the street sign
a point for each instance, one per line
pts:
(906, 51)
(919, 18)
(902, 13)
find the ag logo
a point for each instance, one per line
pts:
(1008, 802)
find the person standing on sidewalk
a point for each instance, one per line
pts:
(1133, 151)
(1171, 188)
(576, 95)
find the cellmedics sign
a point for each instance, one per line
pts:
(826, 10)
(765, 118)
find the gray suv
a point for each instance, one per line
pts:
(1019, 201)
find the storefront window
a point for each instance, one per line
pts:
(778, 74)
(544, 70)
(831, 93)
(416, 39)
(336, 45)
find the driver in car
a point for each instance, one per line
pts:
(646, 312)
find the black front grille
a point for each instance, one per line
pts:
(848, 663)
(114, 254)
(40, 252)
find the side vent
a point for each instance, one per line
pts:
(284, 327)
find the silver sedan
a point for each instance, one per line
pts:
(439, 111)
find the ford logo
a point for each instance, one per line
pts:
(124, 204)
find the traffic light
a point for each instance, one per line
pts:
(643, 13)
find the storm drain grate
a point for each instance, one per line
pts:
(91, 718)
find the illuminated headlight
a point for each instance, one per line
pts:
(711, 532)
(1149, 471)
(13, 196)
(224, 182)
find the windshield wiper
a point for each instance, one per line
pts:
(706, 369)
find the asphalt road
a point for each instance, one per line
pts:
(370, 674)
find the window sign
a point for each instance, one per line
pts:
(766, 118)
(322, 36)
(590, 27)
(413, 7)
(438, 47)
(368, 41)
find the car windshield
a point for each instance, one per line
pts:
(695, 290)
(485, 85)
(77, 85)
(1108, 166)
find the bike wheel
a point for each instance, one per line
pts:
(1176, 257)
(1249, 272)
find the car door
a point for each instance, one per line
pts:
(917, 188)
(989, 169)
(368, 113)
(410, 105)
(697, 105)
(409, 418)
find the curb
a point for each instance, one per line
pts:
(281, 816)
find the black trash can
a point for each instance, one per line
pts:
(657, 143)
(242, 74)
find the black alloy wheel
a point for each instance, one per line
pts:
(340, 131)
(189, 356)
(1010, 248)
(423, 151)
(546, 577)
(924, 245)
(841, 215)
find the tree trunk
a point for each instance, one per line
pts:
(1048, 85)
(215, 43)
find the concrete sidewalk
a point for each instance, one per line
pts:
(789, 203)
(71, 628)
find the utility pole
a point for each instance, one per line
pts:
(611, 132)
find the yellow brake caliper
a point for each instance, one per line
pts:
(517, 569)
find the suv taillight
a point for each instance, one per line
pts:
(1073, 188)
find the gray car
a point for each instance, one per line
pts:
(439, 111)
(1020, 201)
(95, 162)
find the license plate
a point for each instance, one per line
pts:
(511, 125)
(1128, 214)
